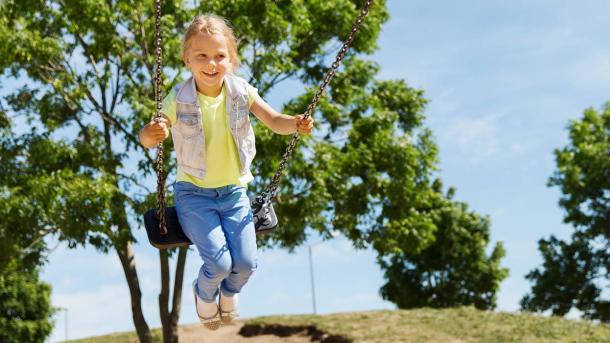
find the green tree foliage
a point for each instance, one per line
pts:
(25, 306)
(454, 270)
(33, 203)
(46, 186)
(574, 273)
(567, 278)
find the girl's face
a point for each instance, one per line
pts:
(207, 56)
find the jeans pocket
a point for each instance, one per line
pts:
(182, 206)
(244, 200)
(181, 198)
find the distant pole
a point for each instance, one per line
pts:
(313, 288)
(333, 234)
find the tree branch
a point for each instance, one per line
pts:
(116, 87)
(91, 61)
(82, 126)
(144, 47)
(275, 80)
(68, 100)
(253, 63)
(41, 234)
(135, 140)
(102, 85)
(134, 180)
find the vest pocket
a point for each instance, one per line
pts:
(190, 145)
(192, 151)
(250, 143)
(189, 124)
(243, 124)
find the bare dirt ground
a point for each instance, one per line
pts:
(196, 333)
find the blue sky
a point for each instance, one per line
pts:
(504, 78)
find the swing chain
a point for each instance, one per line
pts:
(270, 191)
(158, 81)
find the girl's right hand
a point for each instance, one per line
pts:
(155, 132)
(159, 129)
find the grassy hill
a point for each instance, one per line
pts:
(464, 324)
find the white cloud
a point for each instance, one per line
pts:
(475, 138)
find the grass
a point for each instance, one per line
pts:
(464, 324)
(124, 337)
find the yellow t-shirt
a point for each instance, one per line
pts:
(222, 159)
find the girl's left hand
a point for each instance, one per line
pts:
(304, 126)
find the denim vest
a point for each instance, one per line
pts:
(187, 131)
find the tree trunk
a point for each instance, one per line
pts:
(169, 320)
(168, 335)
(127, 258)
(177, 300)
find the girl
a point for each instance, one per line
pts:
(214, 142)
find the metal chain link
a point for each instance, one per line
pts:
(271, 190)
(158, 81)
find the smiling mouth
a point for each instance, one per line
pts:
(210, 74)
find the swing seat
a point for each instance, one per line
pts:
(264, 218)
(175, 238)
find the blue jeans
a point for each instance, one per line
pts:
(219, 223)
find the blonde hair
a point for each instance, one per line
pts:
(213, 24)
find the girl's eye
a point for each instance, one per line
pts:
(221, 56)
(201, 55)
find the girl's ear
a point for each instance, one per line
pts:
(185, 58)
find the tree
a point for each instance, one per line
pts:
(45, 186)
(29, 189)
(453, 270)
(25, 305)
(567, 279)
(89, 66)
(573, 273)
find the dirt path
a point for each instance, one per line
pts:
(196, 333)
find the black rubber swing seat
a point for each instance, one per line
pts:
(264, 219)
(174, 238)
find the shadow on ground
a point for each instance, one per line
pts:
(317, 335)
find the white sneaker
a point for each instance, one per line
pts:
(227, 317)
(211, 323)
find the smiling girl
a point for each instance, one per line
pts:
(209, 118)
